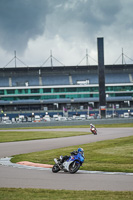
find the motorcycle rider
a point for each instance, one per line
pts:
(70, 163)
(93, 129)
(64, 158)
(92, 126)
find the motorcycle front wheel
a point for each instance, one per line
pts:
(94, 132)
(55, 168)
(74, 167)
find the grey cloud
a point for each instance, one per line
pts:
(90, 15)
(21, 20)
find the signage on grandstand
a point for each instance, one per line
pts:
(86, 82)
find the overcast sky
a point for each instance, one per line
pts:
(65, 28)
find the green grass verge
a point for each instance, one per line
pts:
(43, 194)
(10, 136)
(111, 155)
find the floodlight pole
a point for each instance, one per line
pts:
(51, 58)
(87, 57)
(15, 58)
(122, 57)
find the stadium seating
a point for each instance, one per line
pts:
(4, 81)
(60, 79)
(109, 78)
(25, 81)
(117, 78)
(55, 80)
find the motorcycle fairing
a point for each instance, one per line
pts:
(78, 158)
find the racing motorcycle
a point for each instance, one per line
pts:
(93, 130)
(72, 164)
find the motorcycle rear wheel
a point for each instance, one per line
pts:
(55, 168)
(74, 167)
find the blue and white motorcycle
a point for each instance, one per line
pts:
(72, 164)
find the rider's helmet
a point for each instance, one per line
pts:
(81, 150)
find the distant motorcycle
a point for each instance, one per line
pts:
(72, 164)
(93, 130)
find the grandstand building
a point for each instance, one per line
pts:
(58, 87)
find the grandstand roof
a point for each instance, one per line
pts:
(68, 68)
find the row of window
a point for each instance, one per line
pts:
(64, 90)
(59, 97)
(25, 91)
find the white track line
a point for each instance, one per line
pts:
(6, 162)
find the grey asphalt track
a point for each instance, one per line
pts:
(32, 178)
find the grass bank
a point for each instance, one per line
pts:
(42, 194)
(111, 155)
(10, 136)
